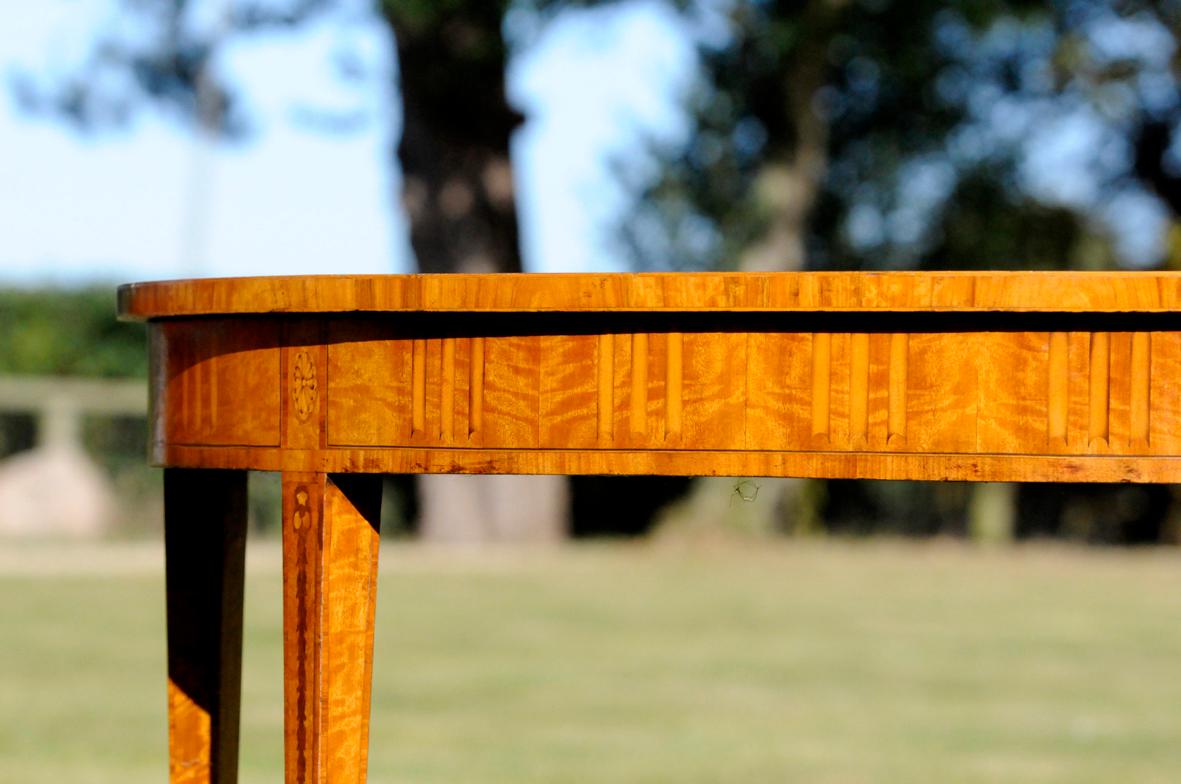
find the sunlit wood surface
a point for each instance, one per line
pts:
(943, 376)
(975, 376)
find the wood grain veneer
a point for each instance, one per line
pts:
(1088, 292)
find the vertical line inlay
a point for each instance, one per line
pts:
(1100, 369)
(447, 403)
(187, 380)
(672, 385)
(1139, 404)
(859, 389)
(896, 402)
(199, 387)
(476, 388)
(821, 375)
(1059, 399)
(639, 391)
(213, 394)
(418, 387)
(606, 368)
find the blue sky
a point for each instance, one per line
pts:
(149, 200)
(129, 203)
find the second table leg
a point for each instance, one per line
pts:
(330, 542)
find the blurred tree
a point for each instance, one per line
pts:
(457, 128)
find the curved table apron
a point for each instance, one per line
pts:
(335, 380)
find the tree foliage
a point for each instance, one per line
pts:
(68, 333)
(918, 119)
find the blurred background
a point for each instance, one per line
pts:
(149, 139)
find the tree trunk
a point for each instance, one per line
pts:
(787, 187)
(459, 200)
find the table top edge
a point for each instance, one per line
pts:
(901, 291)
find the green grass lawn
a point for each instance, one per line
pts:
(806, 662)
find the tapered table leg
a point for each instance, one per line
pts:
(330, 543)
(204, 546)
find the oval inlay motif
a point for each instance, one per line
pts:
(303, 385)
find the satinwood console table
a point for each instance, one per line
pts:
(334, 381)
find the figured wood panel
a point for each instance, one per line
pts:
(1120, 393)
(656, 392)
(878, 392)
(605, 388)
(840, 376)
(462, 427)
(218, 382)
(779, 391)
(370, 378)
(511, 392)
(674, 382)
(715, 390)
(1164, 421)
(859, 390)
(1099, 393)
(621, 390)
(821, 379)
(1078, 361)
(942, 406)
(569, 402)
(637, 409)
(1140, 383)
(1014, 372)
(898, 380)
(1057, 391)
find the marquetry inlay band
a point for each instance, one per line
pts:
(1068, 392)
(302, 523)
(1008, 377)
(860, 387)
